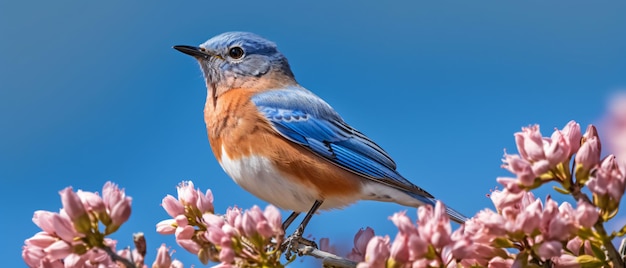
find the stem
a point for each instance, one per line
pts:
(614, 256)
(328, 259)
(118, 258)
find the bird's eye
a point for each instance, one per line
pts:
(235, 52)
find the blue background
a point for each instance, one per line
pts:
(92, 91)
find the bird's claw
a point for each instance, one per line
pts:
(292, 243)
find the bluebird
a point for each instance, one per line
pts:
(284, 144)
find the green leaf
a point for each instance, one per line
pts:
(598, 252)
(502, 242)
(587, 261)
(622, 231)
(561, 190)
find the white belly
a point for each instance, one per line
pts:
(258, 176)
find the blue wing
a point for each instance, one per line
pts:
(303, 118)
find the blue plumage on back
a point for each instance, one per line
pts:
(304, 118)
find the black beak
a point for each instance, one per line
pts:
(193, 51)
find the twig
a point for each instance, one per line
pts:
(614, 256)
(118, 258)
(328, 259)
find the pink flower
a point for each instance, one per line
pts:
(41, 239)
(530, 143)
(376, 253)
(111, 194)
(361, 238)
(571, 133)
(166, 227)
(232, 214)
(589, 154)
(63, 228)
(608, 179)
(43, 219)
(566, 261)
(58, 250)
(172, 206)
(183, 238)
(120, 212)
(187, 195)
(499, 262)
(434, 225)
(399, 251)
(272, 214)
(556, 148)
(520, 167)
(549, 249)
(163, 258)
(74, 207)
(205, 201)
(586, 214)
(92, 201)
(33, 255)
(529, 219)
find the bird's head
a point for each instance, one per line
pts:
(240, 60)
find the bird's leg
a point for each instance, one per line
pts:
(300, 231)
(290, 219)
(291, 243)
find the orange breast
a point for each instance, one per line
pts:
(235, 126)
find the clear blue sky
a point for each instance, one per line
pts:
(92, 91)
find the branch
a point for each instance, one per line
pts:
(328, 259)
(118, 258)
(614, 255)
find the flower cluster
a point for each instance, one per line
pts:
(523, 231)
(72, 237)
(251, 238)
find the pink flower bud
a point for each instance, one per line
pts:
(33, 255)
(403, 222)
(63, 228)
(232, 214)
(572, 135)
(172, 206)
(205, 202)
(41, 240)
(376, 253)
(530, 218)
(166, 227)
(186, 232)
(187, 195)
(520, 167)
(120, 212)
(111, 194)
(274, 219)
(72, 205)
(43, 219)
(566, 261)
(592, 132)
(181, 220)
(586, 214)
(361, 238)
(608, 179)
(163, 258)
(530, 143)
(549, 249)
(589, 154)
(58, 250)
(399, 251)
(499, 262)
(227, 255)
(91, 201)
